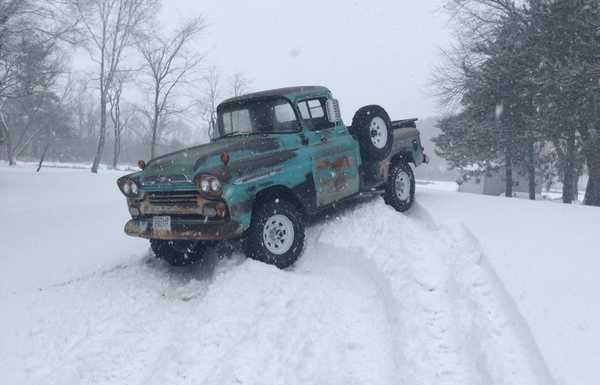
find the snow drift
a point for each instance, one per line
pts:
(377, 298)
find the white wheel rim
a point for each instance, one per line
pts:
(278, 234)
(379, 132)
(402, 184)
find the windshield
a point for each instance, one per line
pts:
(274, 115)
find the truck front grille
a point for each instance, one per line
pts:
(180, 198)
(160, 180)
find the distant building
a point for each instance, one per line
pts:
(495, 184)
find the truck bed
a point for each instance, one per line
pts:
(405, 123)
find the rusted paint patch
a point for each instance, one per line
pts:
(260, 144)
(257, 145)
(194, 205)
(259, 176)
(336, 180)
(338, 184)
(339, 164)
(244, 166)
(328, 151)
(186, 229)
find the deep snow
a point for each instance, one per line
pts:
(377, 298)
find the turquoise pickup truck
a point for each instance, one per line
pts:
(276, 157)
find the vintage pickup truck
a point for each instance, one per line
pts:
(276, 157)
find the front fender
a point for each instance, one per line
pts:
(240, 194)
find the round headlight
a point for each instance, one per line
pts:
(127, 187)
(134, 188)
(215, 185)
(204, 185)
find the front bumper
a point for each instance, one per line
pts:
(185, 229)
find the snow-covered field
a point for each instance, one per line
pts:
(462, 290)
(548, 257)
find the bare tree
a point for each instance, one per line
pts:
(168, 63)
(85, 109)
(116, 116)
(239, 84)
(11, 15)
(210, 98)
(59, 123)
(110, 26)
(30, 31)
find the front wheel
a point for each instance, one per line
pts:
(400, 188)
(178, 253)
(276, 234)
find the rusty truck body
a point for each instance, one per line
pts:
(276, 157)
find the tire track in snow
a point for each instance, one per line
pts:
(506, 345)
(400, 248)
(459, 325)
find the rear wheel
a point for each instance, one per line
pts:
(276, 234)
(372, 128)
(178, 253)
(400, 187)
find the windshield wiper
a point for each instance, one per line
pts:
(233, 133)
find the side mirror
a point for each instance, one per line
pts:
(333, 111)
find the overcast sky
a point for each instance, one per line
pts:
(366, 52)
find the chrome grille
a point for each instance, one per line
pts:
(179, 198)
(154, 180)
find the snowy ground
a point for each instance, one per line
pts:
(377, 298)
(547, 256)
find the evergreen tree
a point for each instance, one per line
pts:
(531, 75)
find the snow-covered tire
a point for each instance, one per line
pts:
(372, 127)
(400, 187)
(276, 233)
(178, 253)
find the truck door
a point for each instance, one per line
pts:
(333, 151)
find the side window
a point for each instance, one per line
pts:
(316, 109)
(314, 115)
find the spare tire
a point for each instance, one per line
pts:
(372, 127)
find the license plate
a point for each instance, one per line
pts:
(161, 223)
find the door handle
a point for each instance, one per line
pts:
(324, 139)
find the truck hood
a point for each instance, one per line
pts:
(184, 165)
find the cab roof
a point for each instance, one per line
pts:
(291, 93)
